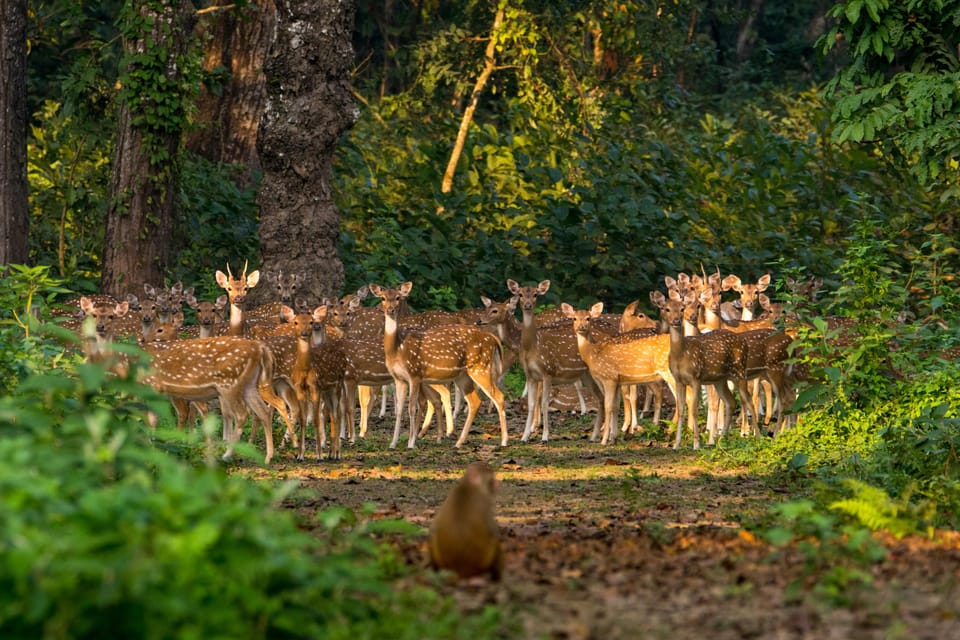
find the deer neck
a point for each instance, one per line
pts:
(585, 345)
(302, 363)
(528, 332)
(677, 341)
(510, 333)
(390, 339)
(711, 319)
(319, 336)
(206, 330)
(236, 321)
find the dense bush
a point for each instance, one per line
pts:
(882, 407)
(106, 534)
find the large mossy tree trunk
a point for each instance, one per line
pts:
(236, 41)
(14, 205)
(139, 225)
(309, 106)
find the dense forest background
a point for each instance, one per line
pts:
(601, 144)
(604, 145)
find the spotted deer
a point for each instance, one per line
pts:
(237, 289)
(548, 358)
(462, 354)
(317, 377)
(748, 293)
(233, 370)
(615, 361)
(711, 358)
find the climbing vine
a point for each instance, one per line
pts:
(160, 73)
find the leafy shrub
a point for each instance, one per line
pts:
(105, 535)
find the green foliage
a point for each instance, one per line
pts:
(876, 509)
(836, 556)
(218, 223)
(900, 87)
(159, 74)
(68, 166)
(106, 535)
(24, 293)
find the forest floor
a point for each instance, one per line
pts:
(636, 540)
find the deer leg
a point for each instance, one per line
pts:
(432, 397)
(629, 393)
(655, 390)
(713, 409)
(533, 407)
(472, 397)
(264, 415)
(746, 402)
(383, 403)
(681, 395)
(609, 404)
(302, 424)
(412, 407)
(546, 389)
(488, 384)
(365, 400)
(457, 401)
(400, 389)
(583, 403)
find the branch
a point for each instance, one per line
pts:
(488, 69)
(223, 7)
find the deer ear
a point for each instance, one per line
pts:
(221, 279)
(363, 292)
(405, 288)
(513, 286)
(543, 287)
(512, 303)
(730, 282)
(566, 309)
(222, 301)
(253, 279)
(656, 297)
(122, 308)
(486, 302)
(320, 313)
(763, 282)
(287, 313)
(596, 310)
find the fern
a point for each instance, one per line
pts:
(873, 507)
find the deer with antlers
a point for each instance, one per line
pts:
(237, 289)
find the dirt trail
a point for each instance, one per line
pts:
(636, 541)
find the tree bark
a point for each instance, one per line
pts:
(237, 42)
(309, 106)
(14, 203)
(139, 224)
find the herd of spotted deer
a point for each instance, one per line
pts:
(317, 364)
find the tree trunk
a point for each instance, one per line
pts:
(14, 204)
(747, 36)
(237, 42)
(309, 106)
(136, 247)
